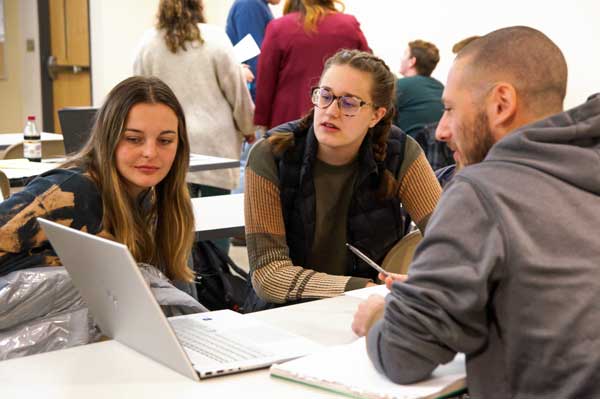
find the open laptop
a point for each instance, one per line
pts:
(199, 345)
(76, 125)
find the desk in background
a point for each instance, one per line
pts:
(221, 216)
(8, 139)
(110, 369)
(20, 171)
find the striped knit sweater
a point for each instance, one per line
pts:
(274, 276)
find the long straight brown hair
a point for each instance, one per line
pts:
(157, 227)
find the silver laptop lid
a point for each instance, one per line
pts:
(117, 295)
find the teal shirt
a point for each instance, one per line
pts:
(418, 102)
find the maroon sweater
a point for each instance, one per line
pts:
(291, 62)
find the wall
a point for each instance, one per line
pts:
(389, 25)
(20, 93)
(11, 95)
(116, 27)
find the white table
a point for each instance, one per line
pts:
(221, 216)
(19, 171)
(110, 369)
(7, 139)
(207, 162)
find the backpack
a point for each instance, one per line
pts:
(216, 285)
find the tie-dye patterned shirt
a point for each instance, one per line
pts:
(67, 197)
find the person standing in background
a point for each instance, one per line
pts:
(196, 60)
(292, 56)
(249, 17)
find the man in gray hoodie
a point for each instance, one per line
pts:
(509, 269)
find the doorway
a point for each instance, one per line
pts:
(65, 57)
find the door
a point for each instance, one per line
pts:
(68, 63)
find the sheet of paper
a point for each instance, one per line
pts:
(347, 369)
(246, 49)
(364, 293)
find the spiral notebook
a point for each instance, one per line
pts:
(346, 369)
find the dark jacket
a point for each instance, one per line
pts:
(65, 196)
(374, 225)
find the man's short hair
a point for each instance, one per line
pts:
(463, 43)
(525, 58)
(426, 55)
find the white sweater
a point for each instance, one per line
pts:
(210, 86)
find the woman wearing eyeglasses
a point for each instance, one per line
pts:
(340, 175)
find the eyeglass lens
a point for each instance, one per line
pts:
(323, 98)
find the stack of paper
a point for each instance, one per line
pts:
(347, 369)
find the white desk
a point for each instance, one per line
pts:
(221, 216)
(19, 171)
(109, 369)
(7, 139)
(206, 162)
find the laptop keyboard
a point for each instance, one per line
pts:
(216, 346)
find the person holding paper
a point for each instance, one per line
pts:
(249, 17)
(292, 56)
(507, 272)
(340, 175)
(196, 60)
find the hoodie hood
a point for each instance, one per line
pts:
(566, 145)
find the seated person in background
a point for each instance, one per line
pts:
(507, 272)
(341, 174)
(418, 95)
(127, 184)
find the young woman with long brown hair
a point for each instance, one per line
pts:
(127, 184)
(342, 174)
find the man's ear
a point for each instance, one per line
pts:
(502, 106)
(377, 115)
(412, 61)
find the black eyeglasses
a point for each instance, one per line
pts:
(323, 97)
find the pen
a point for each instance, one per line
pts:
(368, 260)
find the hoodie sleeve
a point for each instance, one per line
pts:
(441, 308)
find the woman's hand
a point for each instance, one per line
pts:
(248, 75)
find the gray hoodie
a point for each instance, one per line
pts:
(509, 270)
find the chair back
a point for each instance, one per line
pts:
(76, 125)
(398, 259)
(50, 149)
(4, 187)
(437, 152)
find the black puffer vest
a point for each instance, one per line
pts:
(374, 225)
